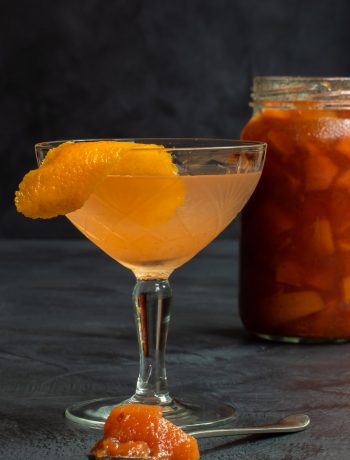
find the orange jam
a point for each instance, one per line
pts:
(138, 430)
(295, 244)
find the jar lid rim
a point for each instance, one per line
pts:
(291, 88)
(300, 77)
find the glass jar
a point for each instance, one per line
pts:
(295, 243)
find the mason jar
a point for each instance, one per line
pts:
(295, 241)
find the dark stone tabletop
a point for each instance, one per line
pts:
(67, 335)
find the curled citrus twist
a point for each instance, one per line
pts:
(70, 173)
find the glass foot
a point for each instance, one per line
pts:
(186, 414)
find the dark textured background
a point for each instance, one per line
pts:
(134, 68)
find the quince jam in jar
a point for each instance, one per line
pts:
(295, 243)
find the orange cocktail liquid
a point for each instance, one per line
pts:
(129, 217)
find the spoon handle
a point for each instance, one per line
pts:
(289, 424)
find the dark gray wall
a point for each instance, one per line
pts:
(133, 68)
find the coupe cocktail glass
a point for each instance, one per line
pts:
(152, 225)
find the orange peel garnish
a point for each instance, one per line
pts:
(70, 173)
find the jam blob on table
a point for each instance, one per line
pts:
(138, 430)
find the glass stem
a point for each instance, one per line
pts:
(152, 301)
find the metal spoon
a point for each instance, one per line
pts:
(290, 424)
